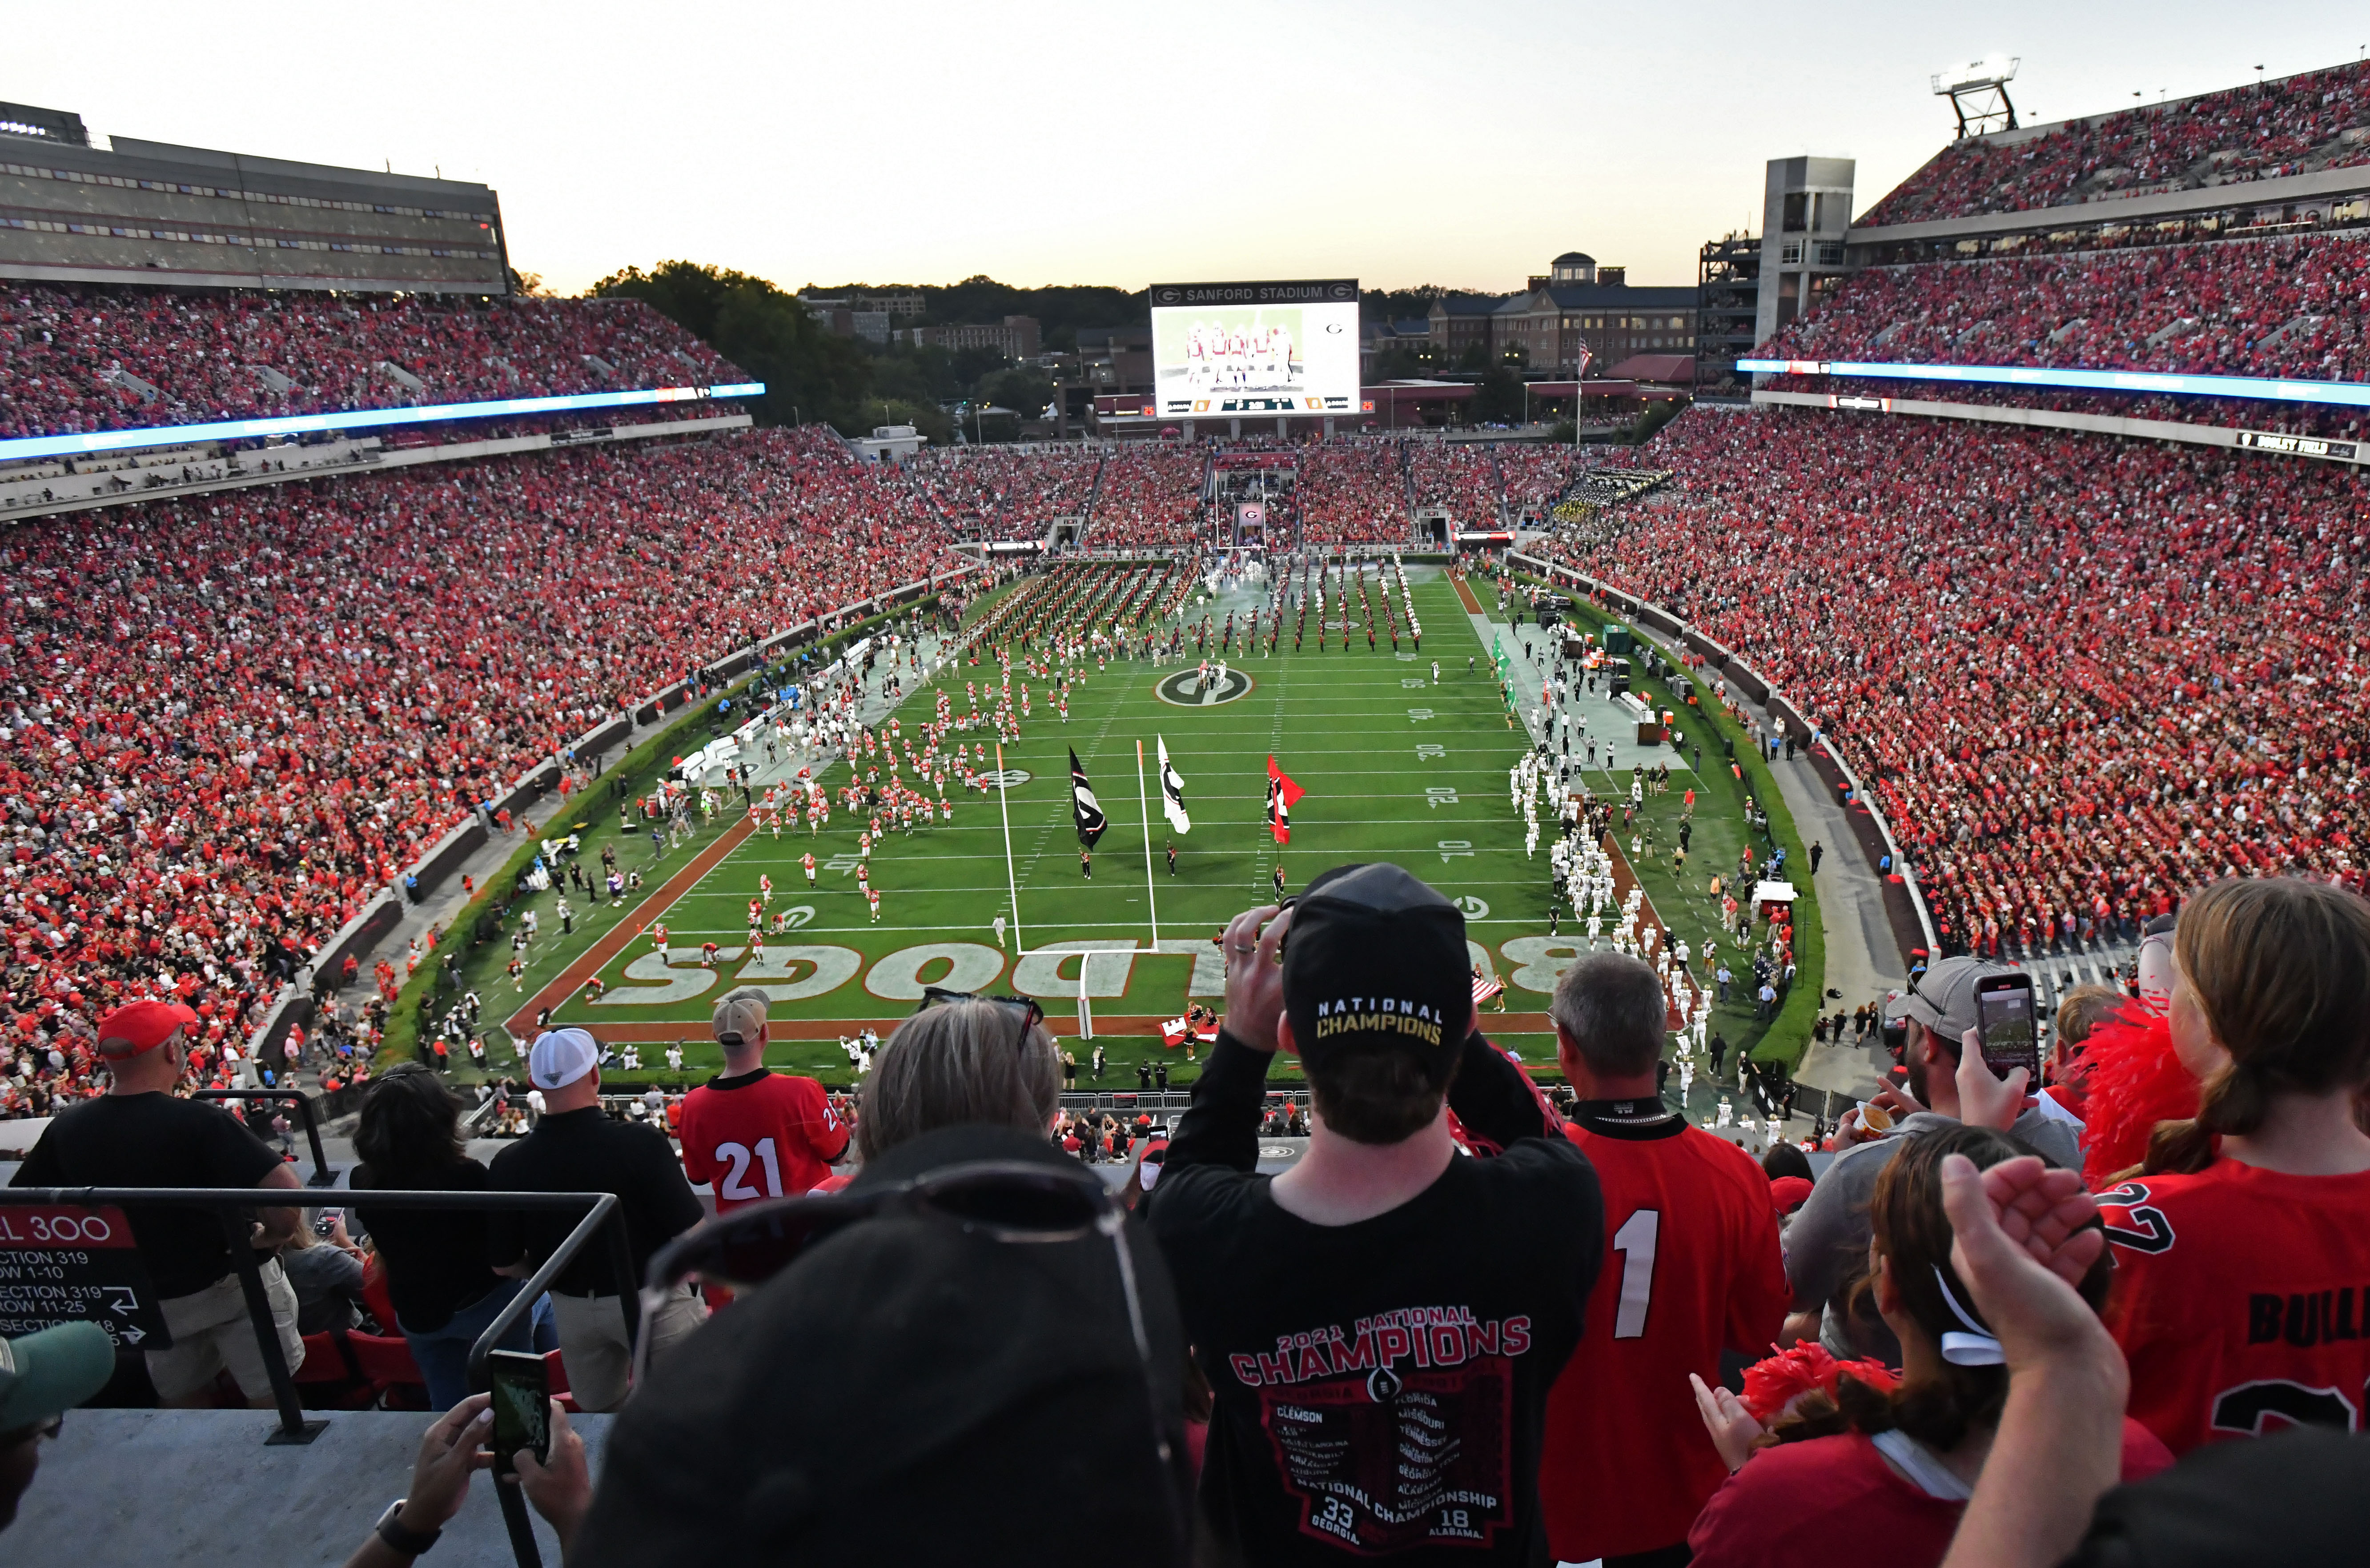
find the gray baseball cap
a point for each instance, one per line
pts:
(1945, 999)
(739, 1016)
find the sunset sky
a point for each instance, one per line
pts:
(1061, 142)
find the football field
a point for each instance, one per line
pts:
(1396, 765)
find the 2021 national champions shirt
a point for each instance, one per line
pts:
(1381, 1386)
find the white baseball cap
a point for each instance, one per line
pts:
(560, 1057)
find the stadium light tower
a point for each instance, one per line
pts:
(1978, 93)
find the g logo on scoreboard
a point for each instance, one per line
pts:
(1190, 689)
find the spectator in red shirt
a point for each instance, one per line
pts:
(1883, 1478)
(1623, 1471)
(751, 1133)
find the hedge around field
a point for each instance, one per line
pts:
(1789, 1034)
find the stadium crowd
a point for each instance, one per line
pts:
(2081, 674)
(1462, 476)
(1352, 492)
(65, 348)
(2292, 307)
(1470, 1322)
(998, 493)
(232, 720)
(1149, 497)
(2291, 126)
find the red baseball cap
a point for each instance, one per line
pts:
(138, 1027)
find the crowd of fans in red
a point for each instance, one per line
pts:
(1462, 476)
(1352, 492)
(2081, 674)
(1149, 497)
(2248, 134)
(2292, 307)
(232, 720)
(1004, 493)
(64, 350)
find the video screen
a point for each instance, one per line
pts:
(1230, 349)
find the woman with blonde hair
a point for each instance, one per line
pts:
(2242, 1290)
(961, 1059)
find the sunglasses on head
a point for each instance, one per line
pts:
(933, 997)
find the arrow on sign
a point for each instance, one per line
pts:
(132, 1336)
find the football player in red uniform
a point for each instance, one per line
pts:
(2242, 1280)
(752, 1134)
(1693, 1267)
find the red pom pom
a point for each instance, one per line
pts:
(1777, 1381)
(2132, 1078)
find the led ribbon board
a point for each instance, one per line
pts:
(358, 419)
(2348, 393)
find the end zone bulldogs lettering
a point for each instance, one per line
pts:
(1395, 1434)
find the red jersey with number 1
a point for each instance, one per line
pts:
(758, 1136)
(2242, 1302)
(1692, 1266)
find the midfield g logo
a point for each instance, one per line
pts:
(1197, 689)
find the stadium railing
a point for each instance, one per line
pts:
(323, 1176)
(602, 1214)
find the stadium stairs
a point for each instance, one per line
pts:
(200, 1489)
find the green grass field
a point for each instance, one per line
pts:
(1395, 767)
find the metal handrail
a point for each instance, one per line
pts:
(323, 1176)
(601, 1209)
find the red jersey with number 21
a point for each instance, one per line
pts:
(759, 1136)
(2242, 1302)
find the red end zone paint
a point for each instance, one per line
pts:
(593, 959)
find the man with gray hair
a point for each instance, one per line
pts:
(752, 1134)
(1688, 1215)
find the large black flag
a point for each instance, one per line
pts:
(1083, 805)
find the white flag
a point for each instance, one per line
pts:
(1172, 791)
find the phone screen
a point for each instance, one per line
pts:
(2010, 1038)
(521, 1406)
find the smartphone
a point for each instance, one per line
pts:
(521, 1406)
(2011, 1036)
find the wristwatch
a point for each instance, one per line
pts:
(410, 1542)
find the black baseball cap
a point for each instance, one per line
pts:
(1376, 959)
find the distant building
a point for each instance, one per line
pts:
(1015, 338)
(872, 325)
(1455, 326)
(1385, 338)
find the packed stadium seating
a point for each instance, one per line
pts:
(2082, 674)
(995, 493)
(1352, 492)
(236, 718)
(2291, 126)
(1535, 477)
(1463, 477)
(89, 357)
(2293, 306)
(1149, 497)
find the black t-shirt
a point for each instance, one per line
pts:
(436, 1260)
(1380, 1386)
(585, 1152)
(155, 1140)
